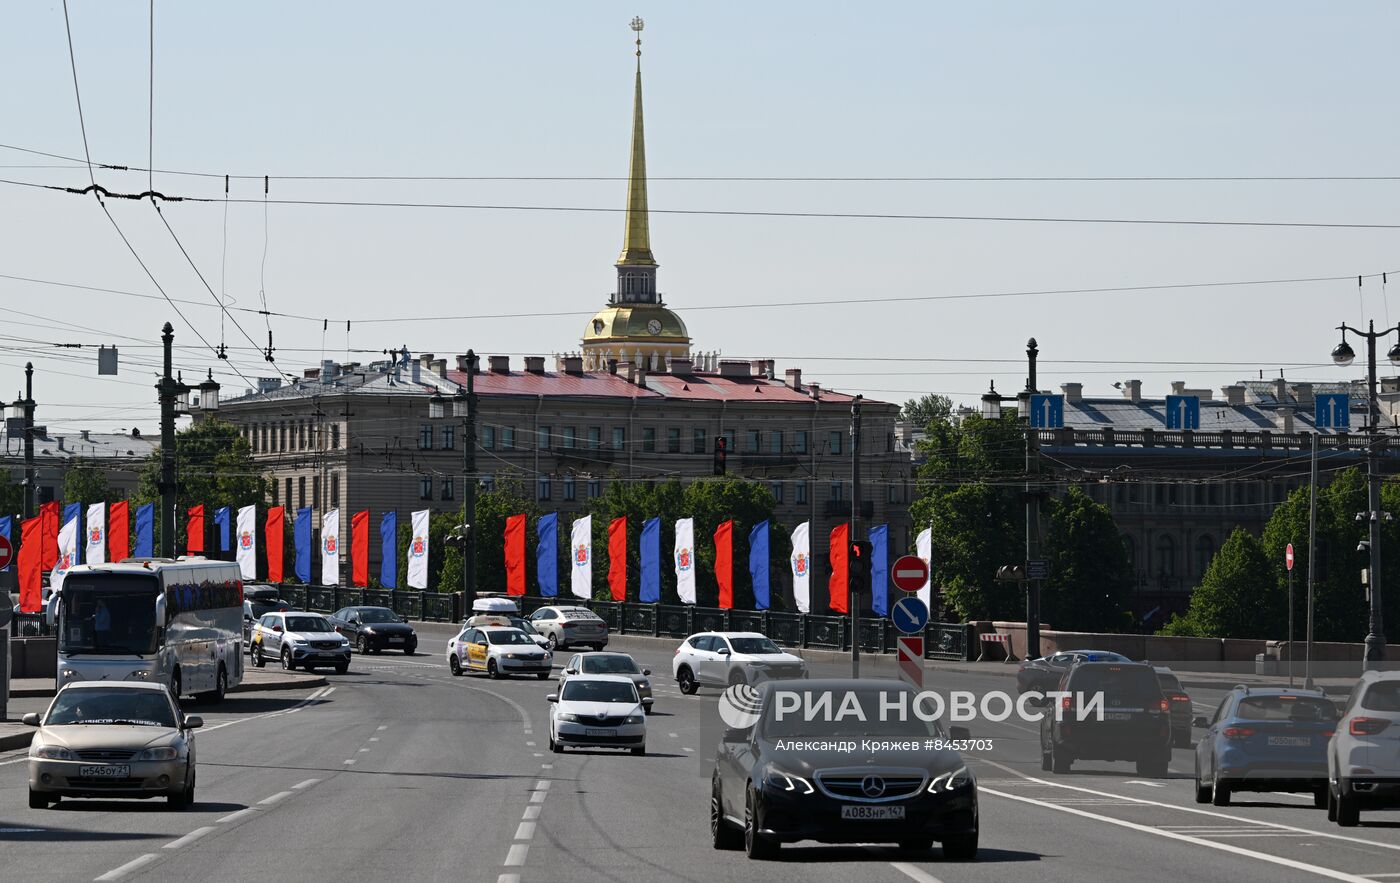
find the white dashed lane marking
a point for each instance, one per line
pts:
(280, 795)
(118, 873)
(303, 785)
(516, 857)
(525, 831)
(532, 812)
(235, 816)
(189, 838)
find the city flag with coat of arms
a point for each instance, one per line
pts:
(246, 542)
(685, 560)
(581, 554)
(418, 551)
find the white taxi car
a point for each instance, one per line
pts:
(498, 651)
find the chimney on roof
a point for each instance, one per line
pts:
(440, 367)
(426, 360)
(500, 364)
(329, 369)
(1234, 393)
(534, 364)
(816, 390)
(268, 384)
(1283, 418)
(59, 440)
(1132, 390)
(793, 378)
(628, 369)
(681, 367)
(1178, 387)
(1280, 390)
(758, 367)
(734, 368)
(310, 373)
(135, 433)
(462, 363)
(1074, 392)
(1303, 392)
(573, 364)
(86, 434)
(642, 372)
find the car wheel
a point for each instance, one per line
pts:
(639, 751)
(410, 649)
(455, 664)
(550, 642)
(362, 645)
(542, 675)
(258, 660)
(1348, 811)
(1331, 804)
(287, 661)
(1060, 760)
(756, 846)
(1219, 792)
(342, 667)
(1202, 791)
(175, 683)
(722, 834)
(183, 798)
(492, 671)
(685, 679)
(38, 799)
(1320, 797)
(1046, 761)
(555, 746)
(920, 844)
(961, 847)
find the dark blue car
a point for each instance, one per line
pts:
(1265, 739)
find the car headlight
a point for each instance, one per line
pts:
(781, 781)
(139, 675)
(300, 642)
(643, 685)
(52, 752)
(165, 753)
(71, 674)
(636, 719)
(565, 716)
(958, 778)
(512, 656)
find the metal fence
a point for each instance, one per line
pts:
(423, 606)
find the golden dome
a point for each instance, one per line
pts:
(641, 323)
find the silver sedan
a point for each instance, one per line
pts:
(605, 663)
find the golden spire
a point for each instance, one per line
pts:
(636, 240)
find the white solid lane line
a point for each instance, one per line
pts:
(914, 873)
(280, 795)
(188, 838)
(1185, 838)
(235, 816)
(118, 873)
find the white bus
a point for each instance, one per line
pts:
(178, 622)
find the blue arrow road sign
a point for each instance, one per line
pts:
(1183, 412)
(1333, 411)
(909, 615)
(1047, 411)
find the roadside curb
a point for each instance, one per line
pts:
(11, 741)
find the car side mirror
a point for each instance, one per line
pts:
(31, 719)
(277, 629)
(193, 721)
(646, 671)
(403, 618)
(1200, 721)
(647, 701)
(570, 671)
(723, 651)
(959, 734)
(552, 697)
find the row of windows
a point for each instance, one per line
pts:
(287, 498)
(1244, 493)
(1163, 563)
(296, 435)
(756, 441)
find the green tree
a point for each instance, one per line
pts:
(1238, 597)
(1091, 580)
(924, 410)
(973, 535)
(214, 467)
(85, 483)
(11, 496)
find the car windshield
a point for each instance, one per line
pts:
(600, 691)
(1382, 696)
(609, 665)
(1121, 685)
(261, 606)
(1285, 708)
(109, 614)
(754, 645)
(843, 713)
(523, 624)
(307, 624)
(377, 614)
(1168, 682)
(146, 708)
(508, 637)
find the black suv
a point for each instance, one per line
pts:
(787, 778)
(1135, 723)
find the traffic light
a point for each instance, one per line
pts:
(721, 454)
(858, 566)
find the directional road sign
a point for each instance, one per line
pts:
(1332, 411)
(1183, 412)
(1288, 556)
(1047, 411)
(7, 552)
(909, 573)
(911, 660)
(909, 615)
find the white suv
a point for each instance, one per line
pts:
(1363, 759)
(720, 659)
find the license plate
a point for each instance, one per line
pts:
(1295, 741)
(105, 771)
(598, 732)
(1118, 716)
(877, 813)
(396, 640)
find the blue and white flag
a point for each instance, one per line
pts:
(74, 512)
(651, 562)
(418, 550)
(547, 554)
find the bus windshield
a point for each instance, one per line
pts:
(108, 614)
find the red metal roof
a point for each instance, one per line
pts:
(706, 387)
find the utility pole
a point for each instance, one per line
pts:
(30, 478)
(1375, 637)
(1032, 510)
(1312, 557)
(469, 490)
(854, 592)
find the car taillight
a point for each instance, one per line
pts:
(1237, 732)
(1163, 706)
(1180, 697)
(1367, 726)
(1327, 734)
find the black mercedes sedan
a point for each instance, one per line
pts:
(795, 763)
(374, 629)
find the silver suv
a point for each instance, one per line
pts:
(299, 639)
(567, 626)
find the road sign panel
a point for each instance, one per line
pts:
(7, 552)
(1332, 411)
(1288, 556)
(911, 660)
(1038, 569)
(909, 573)
(1047, 411)
(910, 615)
(1183, 412)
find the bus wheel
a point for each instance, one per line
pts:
(175, 683)
(220, 685)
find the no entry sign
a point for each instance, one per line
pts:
(909, 573)
(7, 552)
(1288, 556)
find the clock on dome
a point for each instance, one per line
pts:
(654, 326)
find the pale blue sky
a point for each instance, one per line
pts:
(825, 89)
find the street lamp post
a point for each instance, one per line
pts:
(464, 406)
(25, 407)
(174, 402)
(1343, 355)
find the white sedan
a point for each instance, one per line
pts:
(602, 711)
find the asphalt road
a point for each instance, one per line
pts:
(400, 771)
